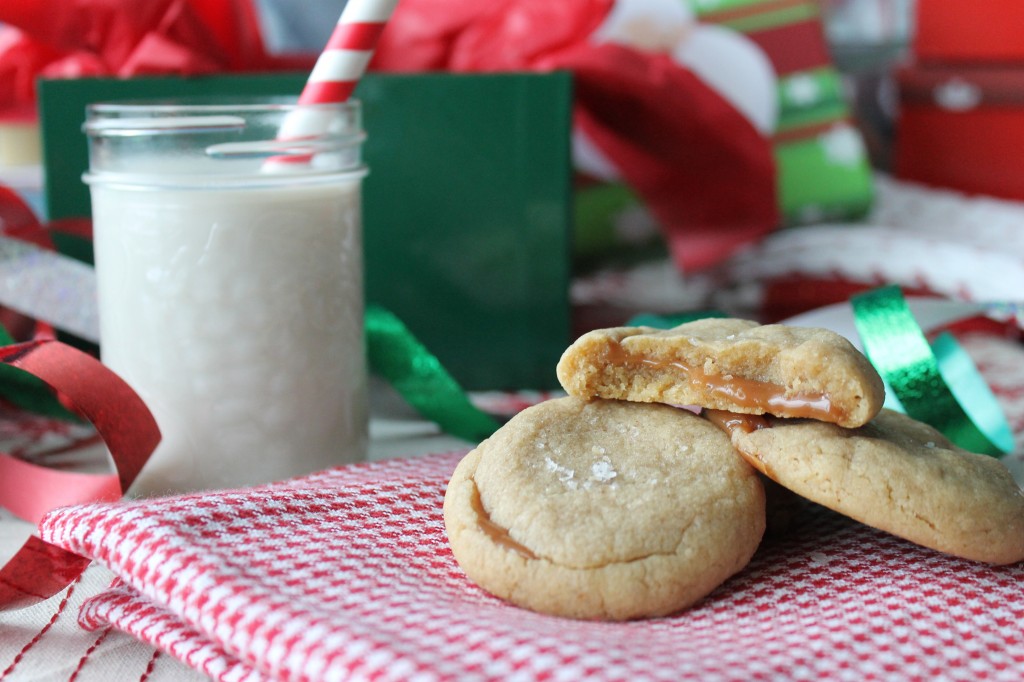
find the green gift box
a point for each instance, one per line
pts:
(467, 206)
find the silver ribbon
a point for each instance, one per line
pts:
(49, 287)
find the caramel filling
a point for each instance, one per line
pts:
(750, 394)
(731, 421)
(498, 534)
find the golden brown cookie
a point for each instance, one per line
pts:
(728, 364)
(895, 474)
(604, 510)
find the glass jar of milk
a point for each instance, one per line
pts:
(229, 267)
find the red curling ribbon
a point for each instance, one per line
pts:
(17, 219)
(28, 490)
(40, 570)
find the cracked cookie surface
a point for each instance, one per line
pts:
(898, 475)
(728, 364)
(604, 509)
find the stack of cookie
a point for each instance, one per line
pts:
(618, 502)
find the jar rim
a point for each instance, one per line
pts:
(197, 114)
(214, 104)
(150, 182)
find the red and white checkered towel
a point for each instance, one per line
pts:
(347, 575)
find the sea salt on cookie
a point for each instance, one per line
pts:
(728, 364)
(604, 510)
(895, 474)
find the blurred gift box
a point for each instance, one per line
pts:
(466, 207)
(823, 170)
(772, 62)
(961, 100)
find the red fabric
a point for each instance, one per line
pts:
(20, 61)
(75, 38)
(422, 34)
(347, 575)
(197, 35)
(701, 168)
(522, 34)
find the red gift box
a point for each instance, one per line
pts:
(961, 118)
(958, 31)
(962, 127)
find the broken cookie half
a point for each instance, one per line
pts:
(728, 364)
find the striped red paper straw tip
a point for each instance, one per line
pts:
(336, 73)
(348, 51)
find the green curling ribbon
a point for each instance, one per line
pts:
(398, 357)
(28, 392)
(898, 349)
(971, 392)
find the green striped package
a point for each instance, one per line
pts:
(823, 172)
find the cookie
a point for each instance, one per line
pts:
(604, 510)
(728, 364)
(895, 474)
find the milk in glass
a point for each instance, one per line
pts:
(231, 300)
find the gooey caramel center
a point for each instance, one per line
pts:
(497, 533)
(731, 421)
(751, 394)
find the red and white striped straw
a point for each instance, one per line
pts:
(348, 51)
(337, 70)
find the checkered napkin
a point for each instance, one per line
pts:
(347, 574)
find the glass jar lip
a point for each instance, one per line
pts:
(222, 137)
(197, 114)
(150, 182)
(213, 104)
